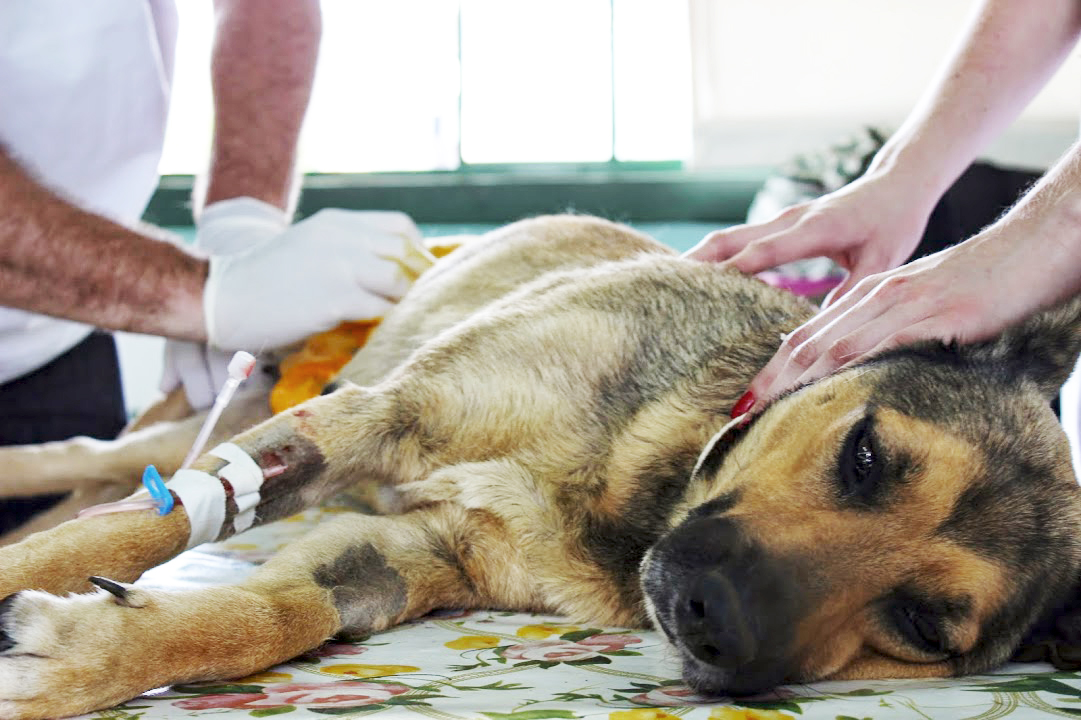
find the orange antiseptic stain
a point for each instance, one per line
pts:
(306, 372)
(441, 247)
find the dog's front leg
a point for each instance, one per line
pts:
(307, 455)
(66, 655)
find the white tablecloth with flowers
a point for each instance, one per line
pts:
(494, 665)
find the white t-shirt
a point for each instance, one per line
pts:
(84, 94)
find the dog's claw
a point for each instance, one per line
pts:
(113, 588)
(6, 641)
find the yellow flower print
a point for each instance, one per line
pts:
(540, 632)
(473, 642)
(265, 677)
(642, 714)
(734, 713)
(367, 671)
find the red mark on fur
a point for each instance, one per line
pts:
(272, 464)
(301, 413)
(744, 404)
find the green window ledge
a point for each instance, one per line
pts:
(483, 196)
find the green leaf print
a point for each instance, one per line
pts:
(498, 685)
(576, 635)
(272, 711)
(1032, 683)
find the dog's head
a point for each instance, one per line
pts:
(916, 515)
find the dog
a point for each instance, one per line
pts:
(536, 425)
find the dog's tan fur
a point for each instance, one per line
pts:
(527, 421)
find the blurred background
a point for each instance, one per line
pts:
(442, 85)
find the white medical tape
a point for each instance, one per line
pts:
(246, 477)
(203, 497)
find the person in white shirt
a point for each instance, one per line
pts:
(84, 95)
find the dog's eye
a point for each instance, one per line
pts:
(920, 630)
(860, 466)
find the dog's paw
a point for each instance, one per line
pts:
(63, 656)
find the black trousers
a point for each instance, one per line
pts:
(78, 393)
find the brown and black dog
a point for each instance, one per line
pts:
(530, 421)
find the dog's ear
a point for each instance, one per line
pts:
(1043, 348)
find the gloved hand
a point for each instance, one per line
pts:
(225, 227)
(336, 265)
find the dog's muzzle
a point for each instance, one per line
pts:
(728, 608)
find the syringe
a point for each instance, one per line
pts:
(239, 369)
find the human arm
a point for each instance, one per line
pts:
(58, 259)
(262, 70)
(1028, 260)
(1006, 54)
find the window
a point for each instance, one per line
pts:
(421, 85)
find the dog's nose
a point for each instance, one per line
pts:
(717, 628)
(738, 618)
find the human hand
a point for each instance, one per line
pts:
(868, 226)
(225, 227)
(966, 293)
(336, 265)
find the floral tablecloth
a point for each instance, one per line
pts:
(505, 666)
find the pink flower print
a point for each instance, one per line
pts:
(609, 643)
(312, 695)
(550, 651)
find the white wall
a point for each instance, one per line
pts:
(775, 77)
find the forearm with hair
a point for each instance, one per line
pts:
(57, 259)
(262, 70)
(1008, 52)
(1043, 235)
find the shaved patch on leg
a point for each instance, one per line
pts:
(367, 592)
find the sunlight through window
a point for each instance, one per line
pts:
(419, 85)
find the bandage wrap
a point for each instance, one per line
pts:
(204, 498)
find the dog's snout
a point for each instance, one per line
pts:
(729, 605)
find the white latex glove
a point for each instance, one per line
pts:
(225, 227)
(334, 266)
